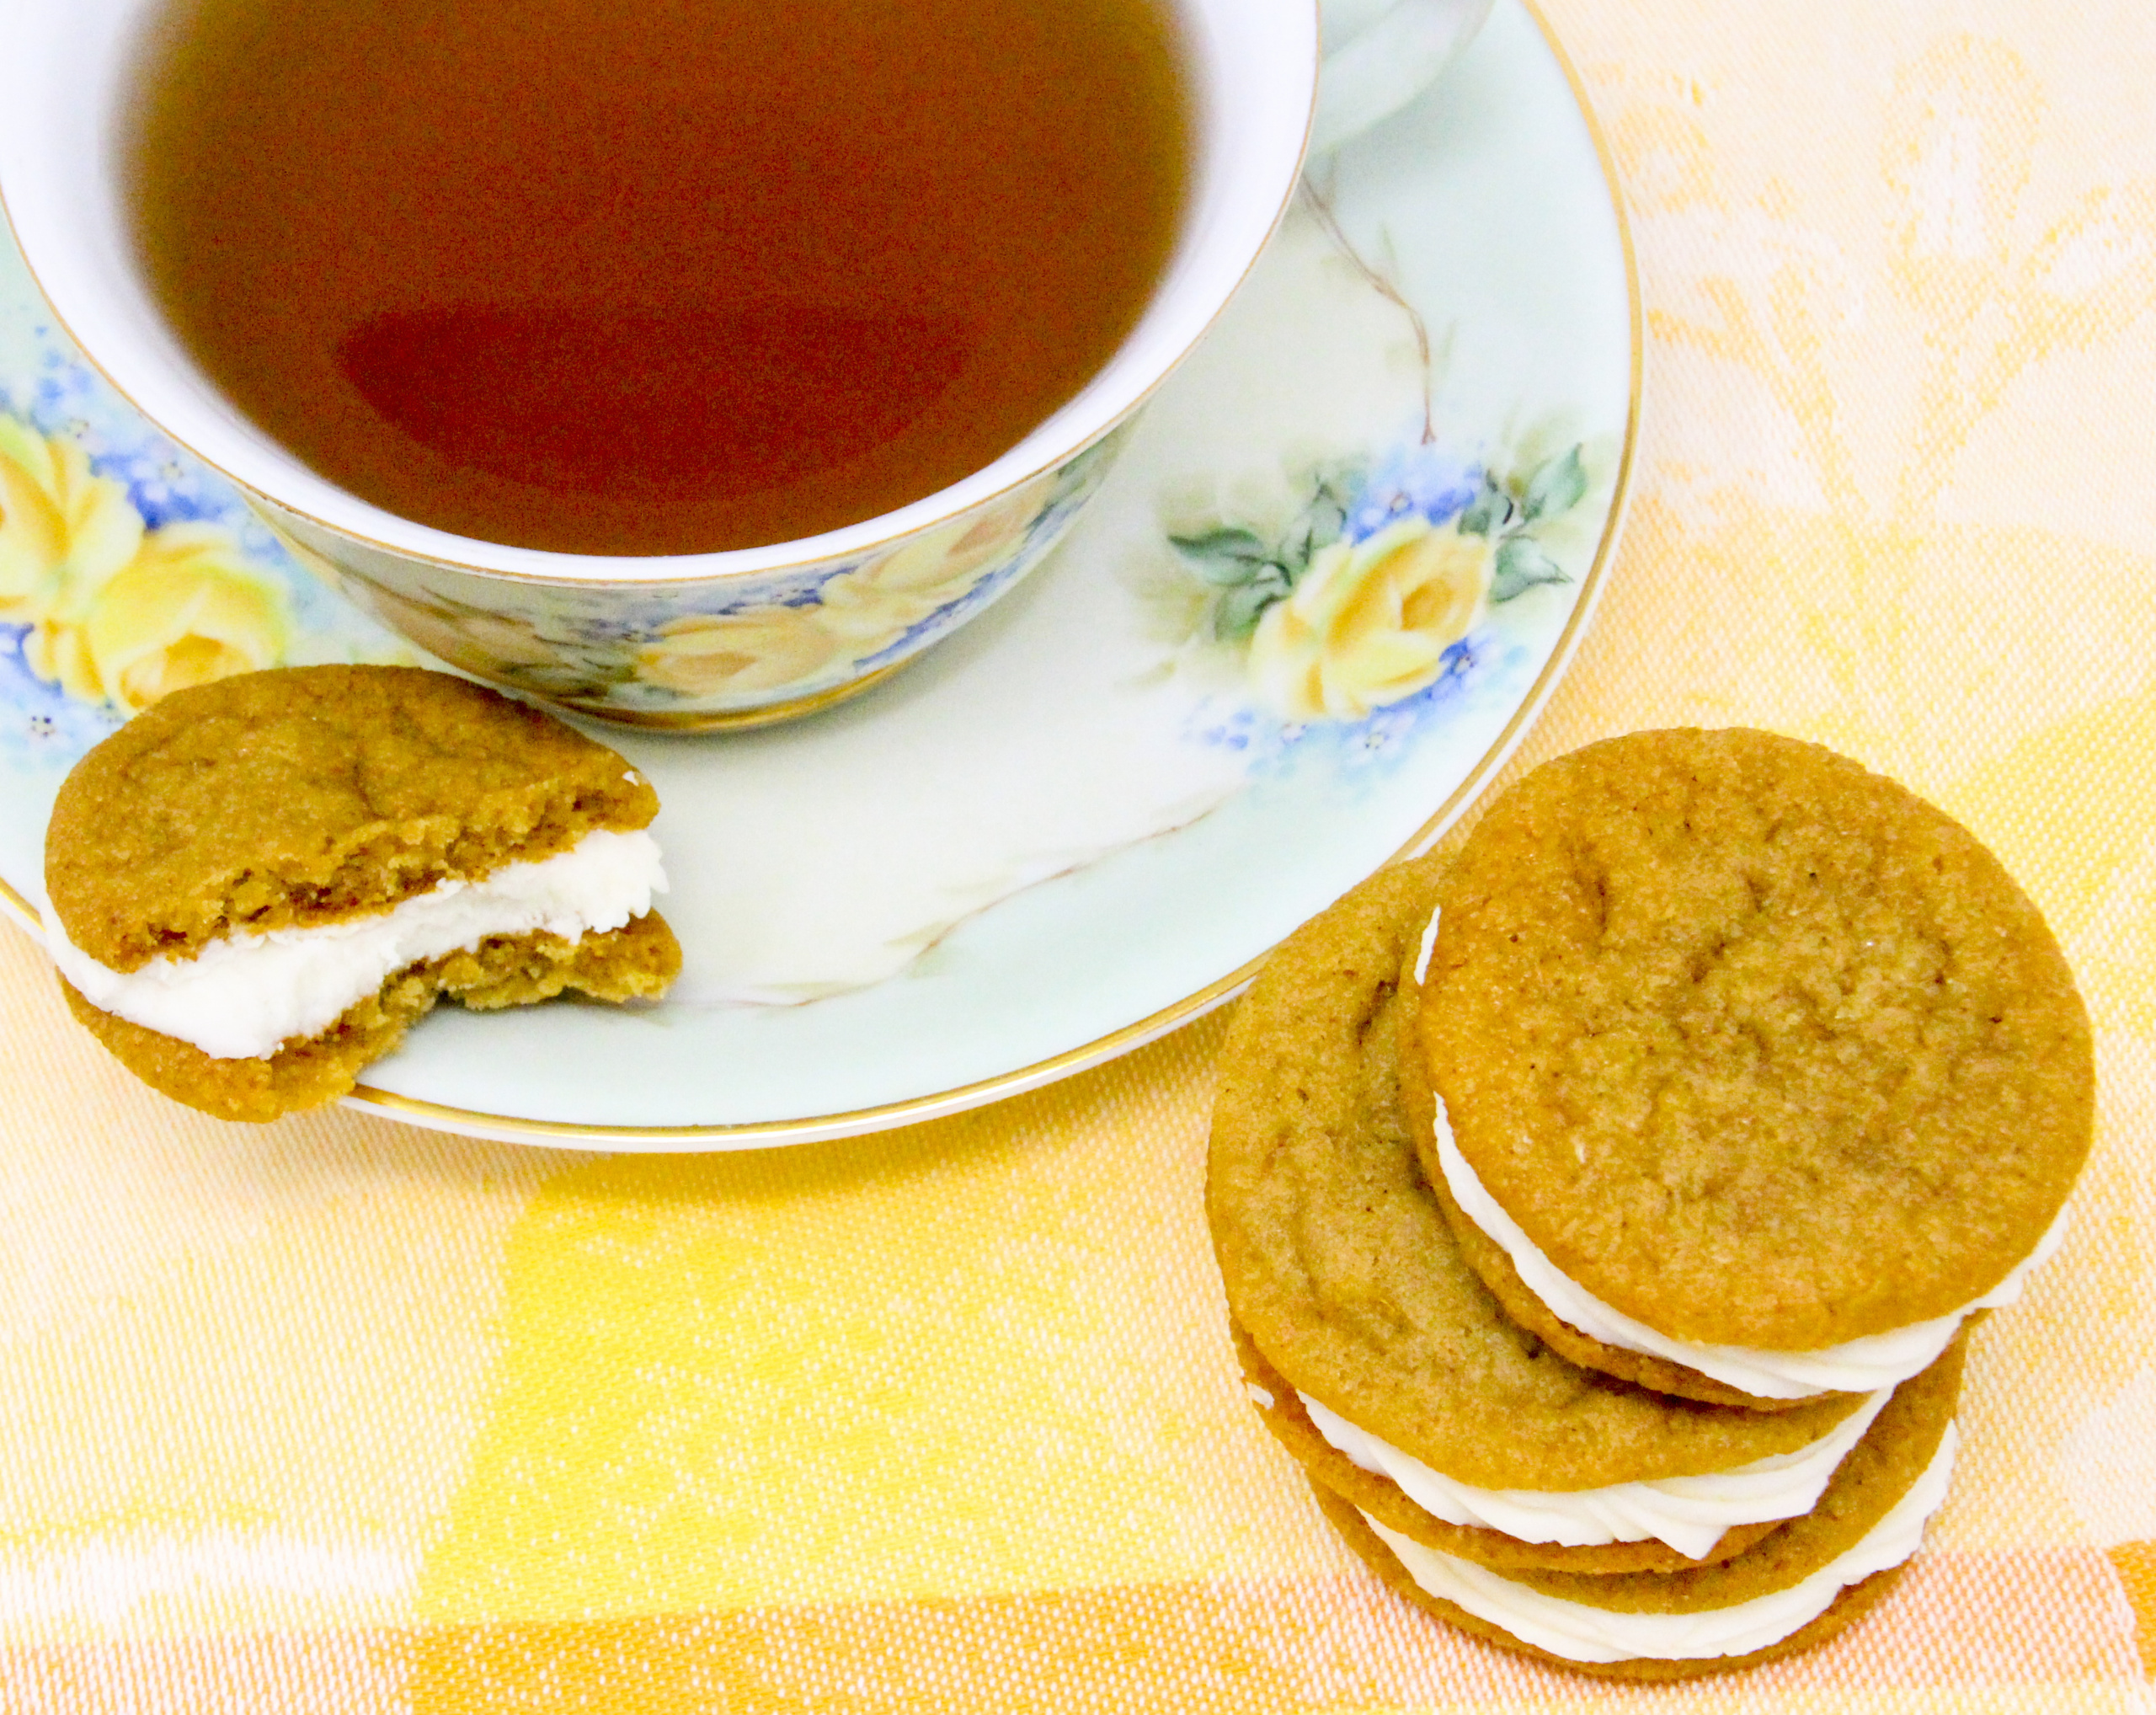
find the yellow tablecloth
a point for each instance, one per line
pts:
(339, 1416)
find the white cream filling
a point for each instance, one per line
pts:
(238, 998)
(1579, 1632)
(1688, 1513)
(1855, 1366)
(1865, 1365)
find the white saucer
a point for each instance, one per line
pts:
(1079, 823)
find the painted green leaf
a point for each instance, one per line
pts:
(1224, 558)
(1555, 489)
(1335, 487)
(1318, 527)
(1276, 583)
(1240, 610)
(1320, 524)
(1488, 512)
(1327, 516)
(1521, 566)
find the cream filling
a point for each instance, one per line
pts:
(1579, 1632)
(1865, 1365)
(238, 998)
(1855, 1366)
(1688, 1513)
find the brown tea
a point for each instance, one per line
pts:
(656, 276)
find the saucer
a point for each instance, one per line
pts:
(1348, 551)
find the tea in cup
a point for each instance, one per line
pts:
(544, 331)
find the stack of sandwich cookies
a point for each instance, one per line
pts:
(1551, 1508)
(258, 885)
(1554, 1507)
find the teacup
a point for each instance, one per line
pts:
(745, 636)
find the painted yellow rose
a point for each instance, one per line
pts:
(1370, 623)
(873, 606)
(477, 642)
(62, 531)
(187, 609)
(762, 649)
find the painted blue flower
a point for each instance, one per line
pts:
(1415, 480)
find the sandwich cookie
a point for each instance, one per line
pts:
(1755, 1075)
(258, 885)
(1380, 1359)
(1800, 1585)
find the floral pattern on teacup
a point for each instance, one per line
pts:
(859, 614)
(765, 649)
(731, 644)
(875, 604)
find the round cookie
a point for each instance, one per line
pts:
(1878, 1472)
(1756, 1046)
(301, 798)
(1339, 1266)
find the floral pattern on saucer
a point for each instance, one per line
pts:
(1373, 591)
(1359, 600)
(1394, 595)
(1129, 773)
(127, 573)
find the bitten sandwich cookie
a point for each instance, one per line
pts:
(258, 885)
(1758, 1074)
(1550, 1508)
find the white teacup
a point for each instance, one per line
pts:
(747, 635)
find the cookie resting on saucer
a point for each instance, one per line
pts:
(258, 885)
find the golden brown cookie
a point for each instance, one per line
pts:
(636, 963)
(1877, 1472)
(306, 796)
(1757, 1047)
(1339, 1266)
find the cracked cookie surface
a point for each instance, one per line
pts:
(1756, 1046)
(301, 798)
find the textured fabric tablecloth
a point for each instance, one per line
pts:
(339, 1416)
